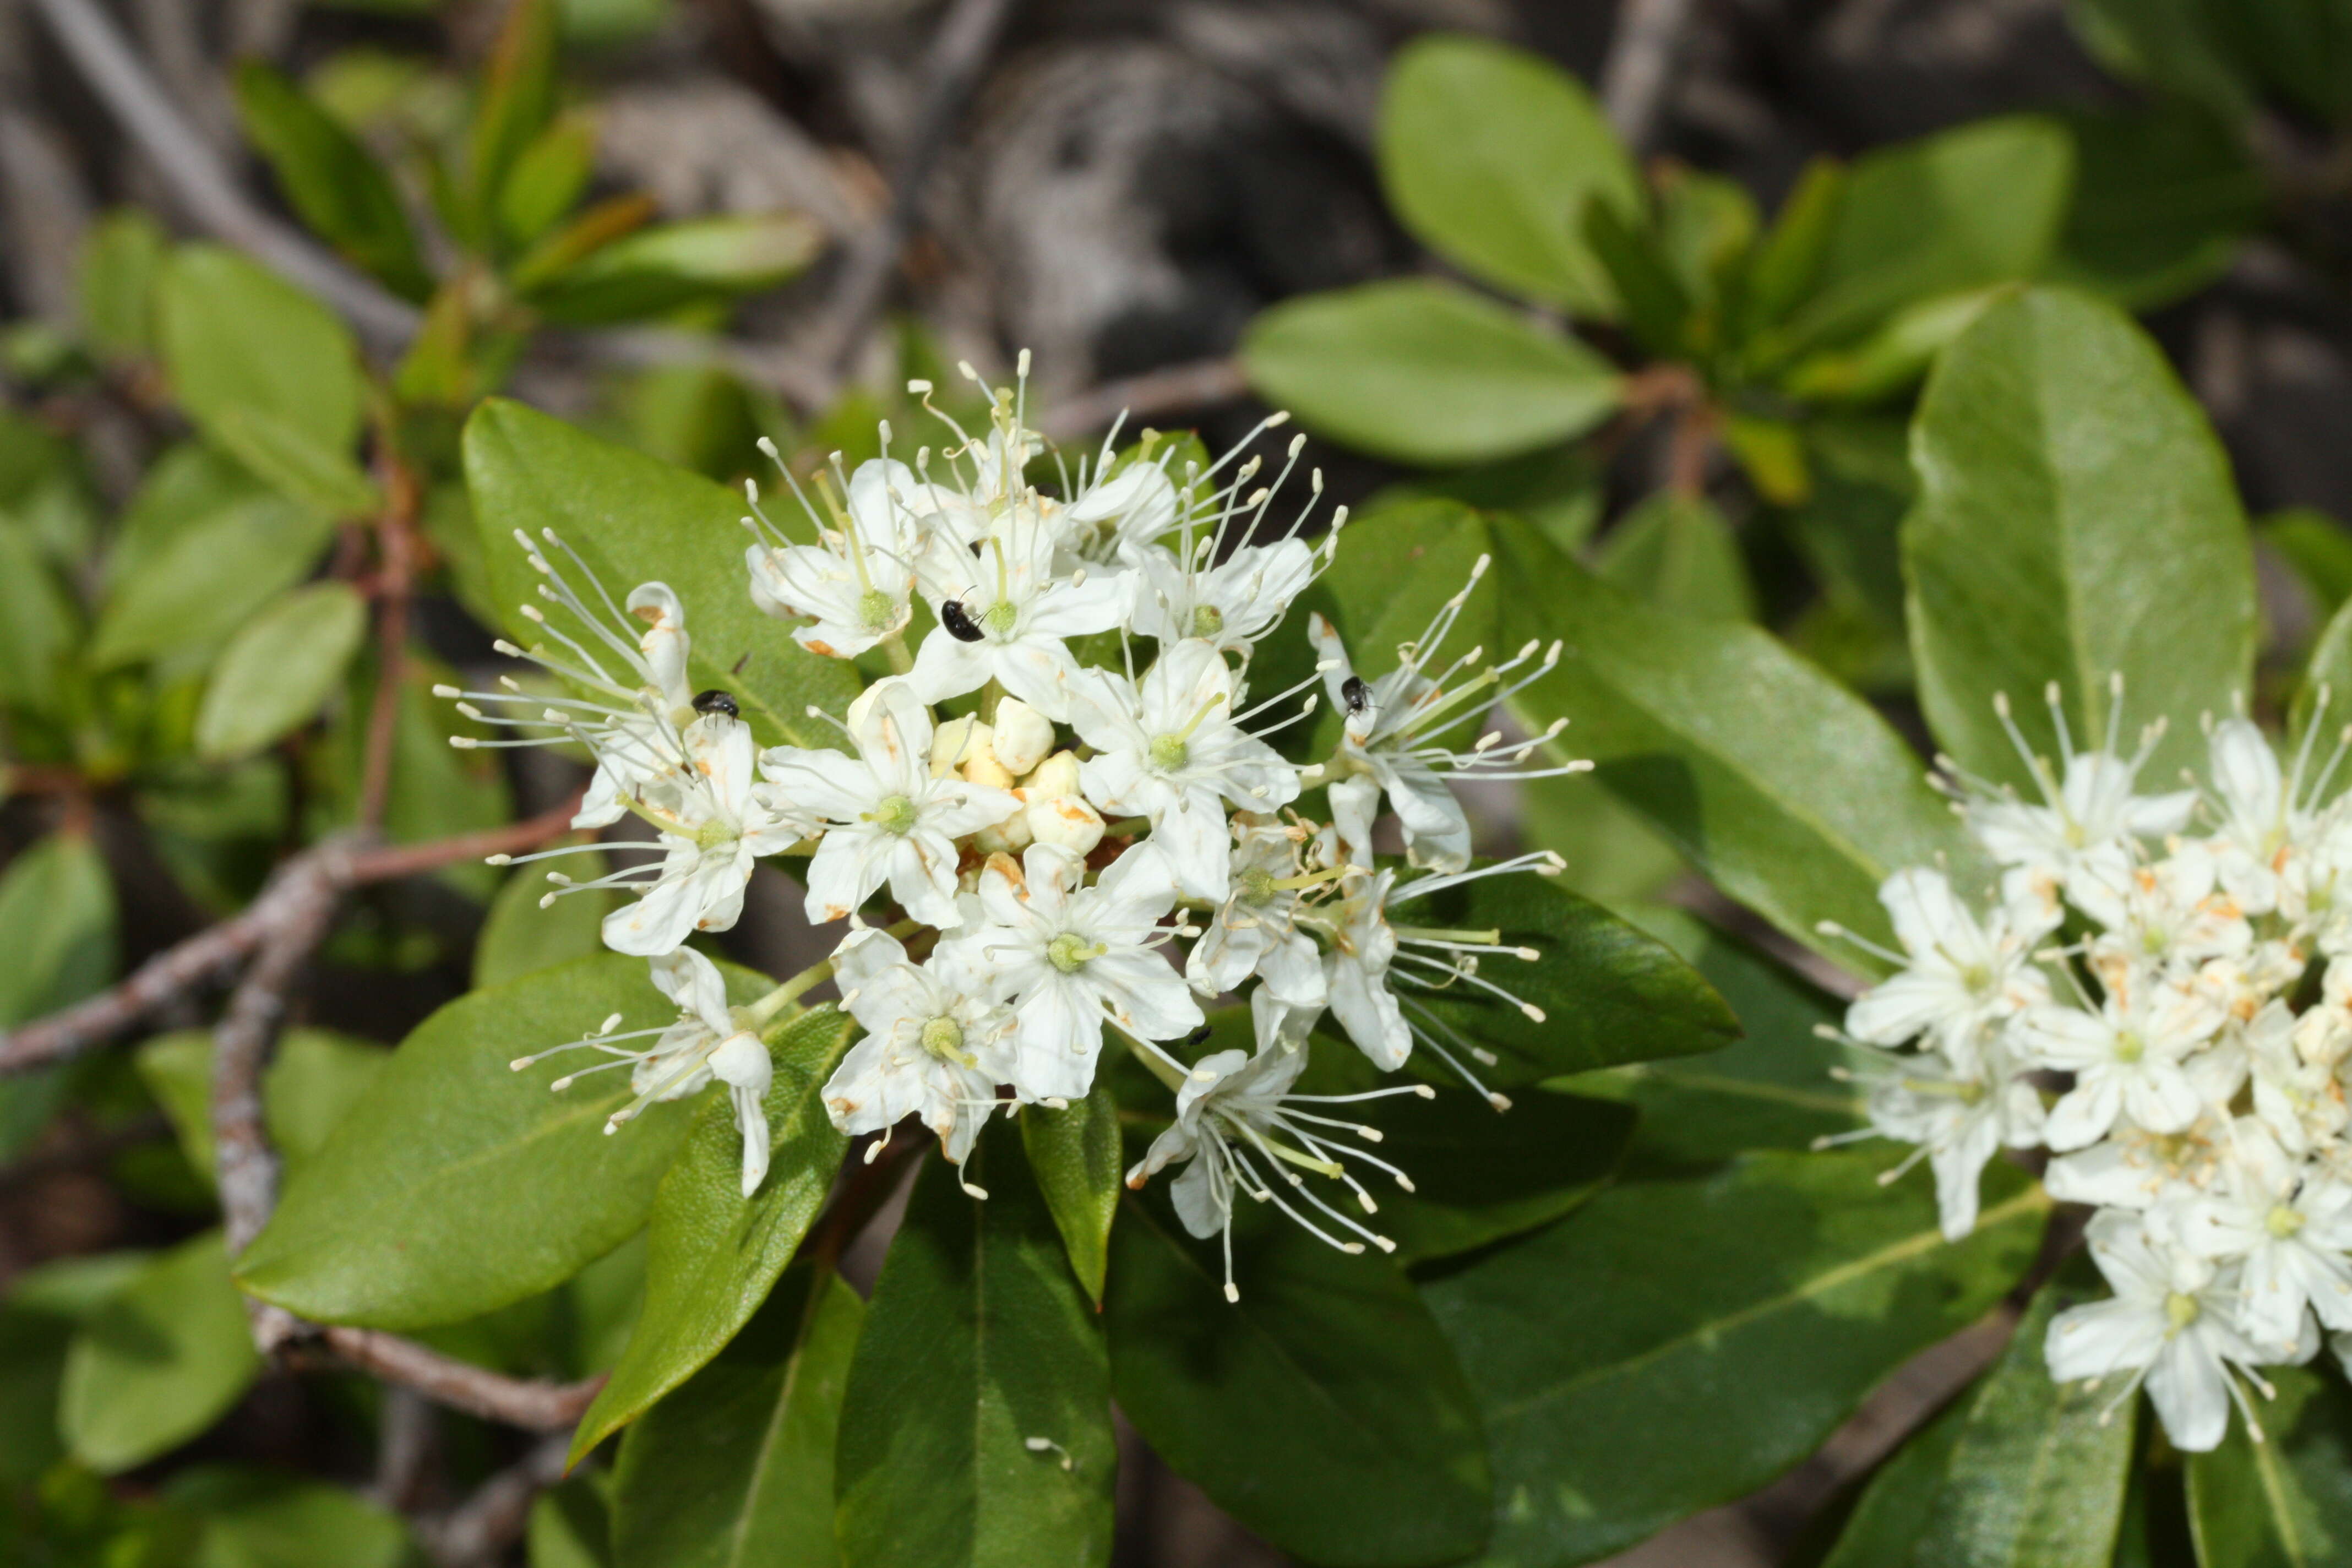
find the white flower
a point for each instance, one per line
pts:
(857, 584)
(1171, 749)
(2127, 1058)
(2301, 1101)
(2268, 818)
(706, 1042)
(885, 818)
(935, 1045)
(1238, 1124)
(1255, 931)
(2132, 1168)
(1231, 604)
(1116, 514)
(1393, 725)
(2090, 807)
(1959, 976)
(1958, 1119)
(2172, 909)
(1008, 621)
(2290, 1228)
(2168, 1324)
(1068, 957)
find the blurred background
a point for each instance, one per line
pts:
(713, 220)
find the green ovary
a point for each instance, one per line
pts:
(1069, 952)
(1169, 752)
(896, 814)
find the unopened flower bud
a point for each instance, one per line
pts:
(981, 767)
(1065, 822)
(954, 742)
(1022, 736)
(1009, 837)
(1056, 775)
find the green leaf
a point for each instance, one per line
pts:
(1655, 303)
(1490, 155)
(2076, 520)
(1948, 214)
(1075, 1155)
(547, 180)
(665, 267)
(975, 1428)
(1322, 1409)
(1672, 1345)
(1677, 552)
(121, 256)
(162, 1361)
(713, 1254)
(2285, 1502)
(736, 1468)
(518, 101)
(520, 936)
(2035, 1476)
(40, 625)
(1559, 490)
(1723, 738)
(571, 1524)
(312, 1079)
(236, 335)
(333, 181)
(2330, 670)
(469, 1184)
(1479, 1176)
(2164, 196)
(1886, 1518)
(254, 1519)
(1425, 372)
(56, 925)
(288, 458)
(2316, 547)
(2170, 44)
(182, 594)
(280, 669)
(38, 1314)
(634, 519)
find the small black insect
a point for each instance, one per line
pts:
(1356, 695)
(1202, 1033)
(959, 624)
(715, 701)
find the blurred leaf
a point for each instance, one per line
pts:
(1655, 304)
(1322, 1409)
(284, 456)
(280, 669)
(975, 1421)
(1424, 371)
(517, 102)
(1677, 552)
(330, 179)
(1771, 453)
(713, 1255)
(1490, 155)
(185, 596)
(2163, 198)
(1948, 214)
(437, 791)
(1623, 1389)
(2287, 1502)
(657, 269)
(2317, 547)
(1790, 260)
(254, 1519)
(1707, 227)
(38, 1316)
(2076, 521)
(2328, 670)
(164, 1359)
(1848, 526)
(58, 926)
(736, 1466)
(1887, 1516)
(1559, 490)
(548, 178)
(121, 256)
(1891, 357)
(1613, 855)
(589, 231)
(39, 625)
(1075, 1155)
(571, 1525)
(521, 937)
(314, 1077)
(2170, 44)
(236, 336)
(635, 519)
(470, 1184)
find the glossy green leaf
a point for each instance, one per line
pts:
(975, 1428)
(2036, 1476)
(1678, 553)
(521, 936)
(1490, 155)
(1885, 1524)
(162, 1361)
(236, 335)
(330, 178)
(1075, 1155)
(56, 925)
(666, 266)
(469, 1184)
(713, 1255)
(313, 1078)
(2284, 1502)
(1948, 214)
(2076, 520)
(1723, 739)
(1322, 1409)
(1479, 1175)
(1425, 372)
(121, 256)
(1559, 490)
(201, 580)
(279, 669)
(634, 519)
(2164, 198)
(734, 1469)
(255, 1519)
(1676, 1344)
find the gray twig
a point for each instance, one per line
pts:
(1641, 66)
(197, 181)
(1177, 389)
(482, 1527)
(532, 1404)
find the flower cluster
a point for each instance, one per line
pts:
(1040, 843)
(2158, 992)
